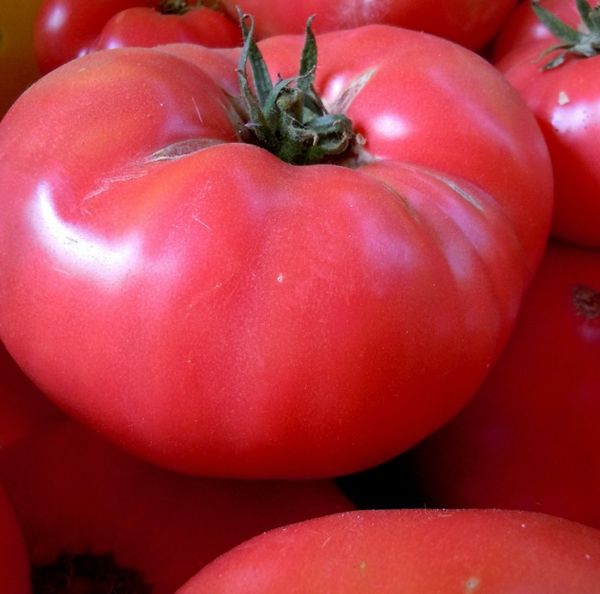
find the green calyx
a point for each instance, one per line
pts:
(173, 7)
(287, 117)
(586, 301)
(583, 43)
(184, 6)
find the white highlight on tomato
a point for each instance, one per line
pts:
(77, 251)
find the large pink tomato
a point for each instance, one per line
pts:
(218, 309)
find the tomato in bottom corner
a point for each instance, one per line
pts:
(416, 551)
(95, 517)
(93, 513)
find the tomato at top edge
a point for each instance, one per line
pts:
(66, 29)
(471, 23)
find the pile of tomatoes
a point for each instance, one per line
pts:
(300, 299)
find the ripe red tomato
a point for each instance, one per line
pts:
(14, 567)
(220, 311)
(529, 439)
(86, 506)
(566, 103)
(17, 61)
(469, 22)
(416, 551)
(66, 29)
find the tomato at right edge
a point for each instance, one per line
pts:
(529, 439)
(566, 103)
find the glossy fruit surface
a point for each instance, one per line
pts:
(220, 311)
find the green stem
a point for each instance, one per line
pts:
(587, 302)
(582, 43)
(173, 7)
(288, 117)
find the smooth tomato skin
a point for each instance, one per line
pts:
(74, 493)
(264, 319)
(470, 23)
(17, 61)
(427, 127)
(66, 29)
(565, 103)
(14, 565)
(416, 551)
(529, 439)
